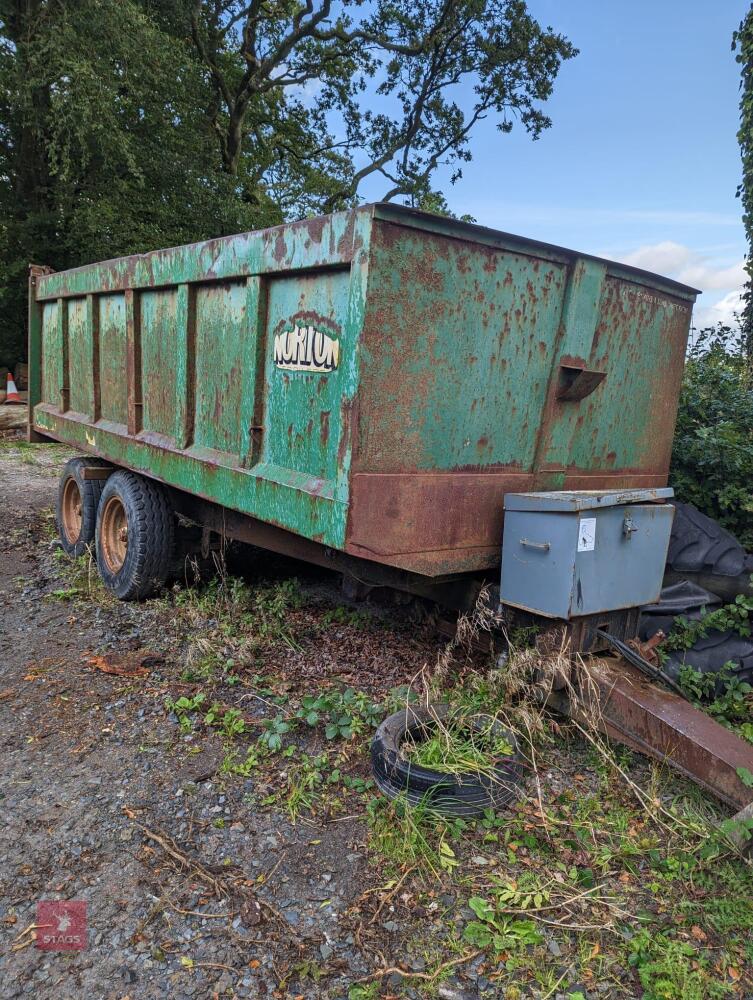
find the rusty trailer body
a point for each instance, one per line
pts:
(363, 390)
(370, 383)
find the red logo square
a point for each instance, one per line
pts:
(61, 925)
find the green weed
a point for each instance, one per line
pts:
(273, 731)
(256, 615)
(735, 616)
(725, 696)
(65, 593)
(345, 616)
(343, 713)
(499, 933)
(364, 991)
(459, 748)
(669, 969)
(233, 764)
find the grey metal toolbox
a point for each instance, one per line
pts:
(584, 552)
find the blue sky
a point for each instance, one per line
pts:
(641, 163)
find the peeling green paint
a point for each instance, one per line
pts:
(418, 352)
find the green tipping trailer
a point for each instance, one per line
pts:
(365, 387)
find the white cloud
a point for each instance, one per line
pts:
(722, 311)
(306, 92)
(705, 271)
(675, 260)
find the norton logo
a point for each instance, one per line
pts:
(305, 347)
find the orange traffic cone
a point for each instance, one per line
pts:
(12, 393)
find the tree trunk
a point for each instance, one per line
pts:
(233, 145)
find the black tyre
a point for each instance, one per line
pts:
(448, 794)
(77, 503)
(711, 653)
(699, 544)
(135, 534)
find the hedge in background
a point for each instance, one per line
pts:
(712, 457)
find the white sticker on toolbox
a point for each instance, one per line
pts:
(587, 534)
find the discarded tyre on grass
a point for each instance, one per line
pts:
(463, 794)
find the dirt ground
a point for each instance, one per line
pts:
(95, 769)
(207, 872)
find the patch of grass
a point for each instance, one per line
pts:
(65, 594)
(82, 579)
(670, 969)
(497, 932)
(413, 835)
(735, 616)
(304, 783)
(340, 615)
(48, 524)
(723, 694)
(273, 731)
(243, 767)
(462, 746)
(229, 721)
(185, 707)
(364, 991)
(240, 617)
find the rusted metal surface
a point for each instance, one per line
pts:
(631, 709)
(648, 649)
(469, 404)
(576, 382)
(459, 593)
(374, 381)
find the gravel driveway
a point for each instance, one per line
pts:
(177, 768)
(191, 890)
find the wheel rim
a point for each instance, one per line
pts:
(113, 534)
(72, 511)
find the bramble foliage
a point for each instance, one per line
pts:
(712, 457)
(735, 616)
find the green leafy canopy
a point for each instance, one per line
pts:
(712, 457)
(129, 125)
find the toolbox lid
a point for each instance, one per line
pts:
(574, 500)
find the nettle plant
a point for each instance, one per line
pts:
(344, 713)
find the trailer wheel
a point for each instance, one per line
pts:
(77, 503)
(135, 536)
